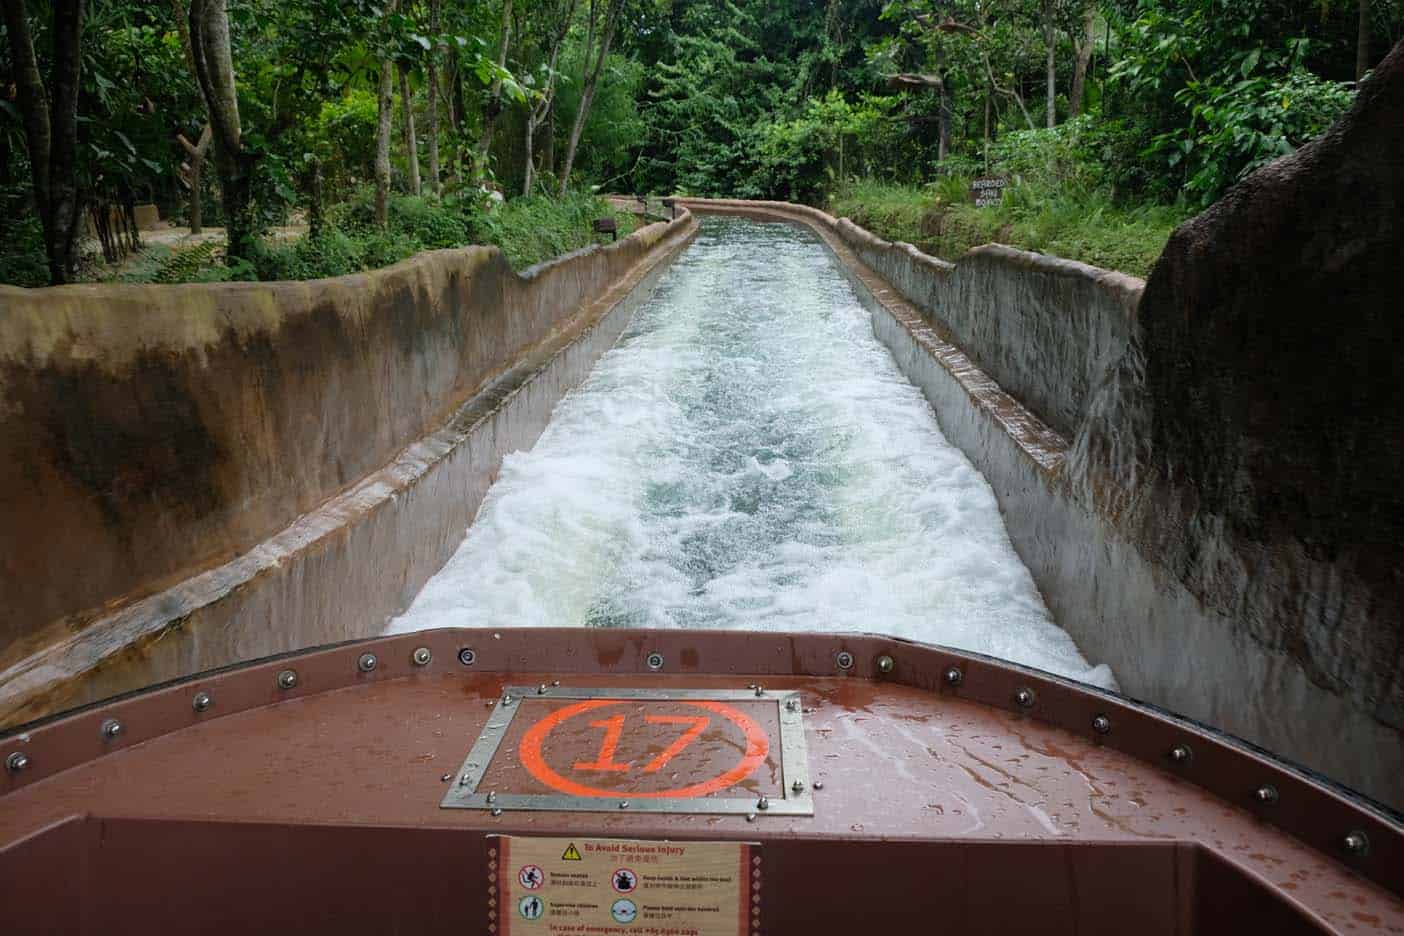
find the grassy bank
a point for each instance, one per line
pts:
(940, 221)
(528, 230)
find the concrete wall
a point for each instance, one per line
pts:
(1035, 369)
(196, 475)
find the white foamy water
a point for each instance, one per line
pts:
(749, 456)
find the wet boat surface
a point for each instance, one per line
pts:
(997, 799)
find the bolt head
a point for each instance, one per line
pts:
(202, 701)
(287, 679)
(467, 656)
(797, 786)
(367, 662)
(1181, 754)
(760, 691)
(422, 656)
(507, 700)
(654, 660)
(818, 784)
(111, 729)
(542, 689)
(1101, 724)
(843, 660)
(17, 761)
(497, 811)
(623, 804)
(446, 778)
(750, 817)
(953, 676)
(1266, 794)
(885, 664)
(1356, 843)
(763, 803)
(1025, 698)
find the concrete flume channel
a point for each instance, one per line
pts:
(282, 530)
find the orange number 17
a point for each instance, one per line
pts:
(614, 729)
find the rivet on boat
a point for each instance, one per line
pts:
(818, 784)
(953, 676)
(287, 679)
(750, 817)
(1101, 724)
(623, 804)
(507, 700)
(446, 778)
(843, 660)
(885, 664)
(16, 762)
(497, 811)
(367, 662)
(655, 660)
(1266, 794)
(542, 689)
(422, 656)
(1181, 754)
(492, 796)
(1356, 843)
(1025, 697)
(763, 803)
(202, 701)
(760, 690)
(467, 656)
(792, 705)
(797, 786)
(111, 729)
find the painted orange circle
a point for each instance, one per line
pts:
(757, 747)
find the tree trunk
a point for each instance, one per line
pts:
(1084, 58)
(592, 79)
(316, 213)
(548, 143)
(527, 164)
(382, 144)
(495, 97)
(1050, 42)
(214, 69)
(51, 132)
(431, 114)
(196, 152)
(1362, 41)
(411, 141)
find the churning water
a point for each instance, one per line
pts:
(749, 456)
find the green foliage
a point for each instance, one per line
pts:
(22, 259)
(530, 230)
(1086, 226)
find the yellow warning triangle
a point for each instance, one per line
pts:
(571, 853)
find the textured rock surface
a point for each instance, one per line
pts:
(1274, 406)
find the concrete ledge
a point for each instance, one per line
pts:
(1120, 602)
(341, 570)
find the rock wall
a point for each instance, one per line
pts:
(225, 453)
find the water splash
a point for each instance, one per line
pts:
(749, 456)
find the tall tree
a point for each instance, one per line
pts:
(494, 105)
(602, 22)
(197, 150)
(431, 111)
(540, 108)
(214, 70)
(51, 131)
(385, 103)
(1084, 43)
(1050, 42)
(411, 141)
(1362, 41)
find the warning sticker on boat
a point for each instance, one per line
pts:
(620, 887)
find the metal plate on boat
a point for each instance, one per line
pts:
(561, 886)
(727, 751)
